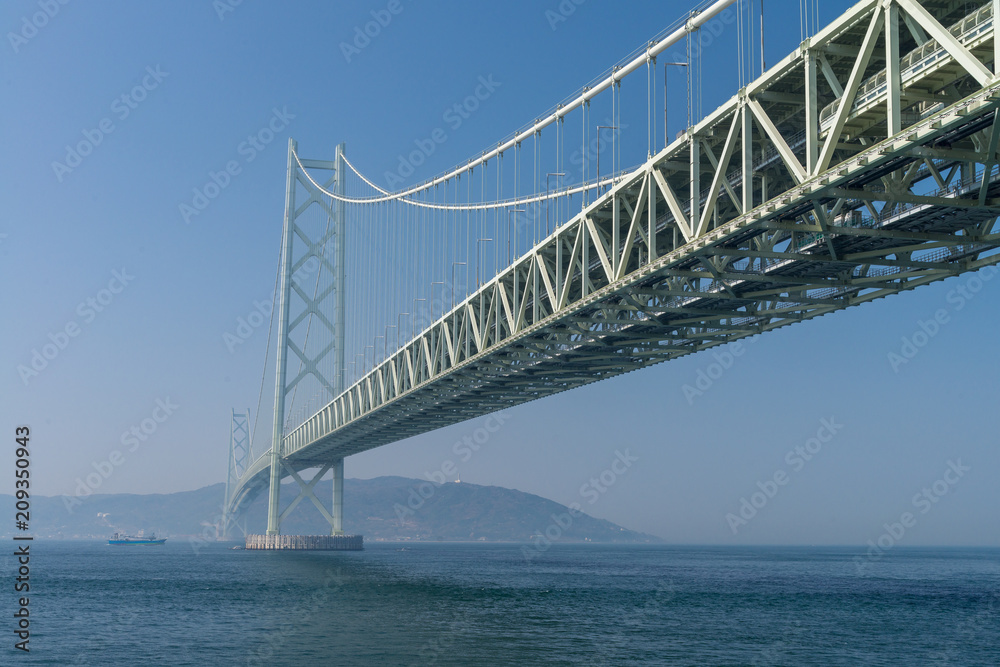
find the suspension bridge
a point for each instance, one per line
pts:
(862, 164)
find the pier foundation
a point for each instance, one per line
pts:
(306, 542)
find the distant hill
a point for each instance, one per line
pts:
(384, 508)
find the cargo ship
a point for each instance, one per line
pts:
(122, 538)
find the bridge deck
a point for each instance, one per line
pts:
(644, 322)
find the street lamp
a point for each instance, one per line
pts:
(399, 328)
(478, 241)
(453, 265)
(441, 283)
(385, 347)
(358, 368)
(556, 173)
(509, 223)
(666, 136)
(413, 320)
(599, 128)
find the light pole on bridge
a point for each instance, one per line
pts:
(441, 283)
(478, 241)
(453, 265)
(413, 320)
(548, 201)
(385, 348)
(399, 328)
(666, 103)
(599, 128)
(358, 368)
(510, 224)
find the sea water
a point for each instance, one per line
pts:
(502, 604)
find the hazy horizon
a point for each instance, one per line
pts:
(290, 486)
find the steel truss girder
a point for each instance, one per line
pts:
(771, 241)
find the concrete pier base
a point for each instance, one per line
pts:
(306, 542)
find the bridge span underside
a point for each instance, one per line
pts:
(862, 165)
(738, 285)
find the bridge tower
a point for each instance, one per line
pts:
(239, 461)
(302, 245)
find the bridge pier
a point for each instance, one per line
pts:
(336, 540)
(334, 518)
(306, 542)
(338, 498)
(274, 495)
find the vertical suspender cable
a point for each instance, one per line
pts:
(496, 217)
(763, 65)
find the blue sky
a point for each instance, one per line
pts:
(199, 81)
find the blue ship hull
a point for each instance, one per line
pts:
(122, 538)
